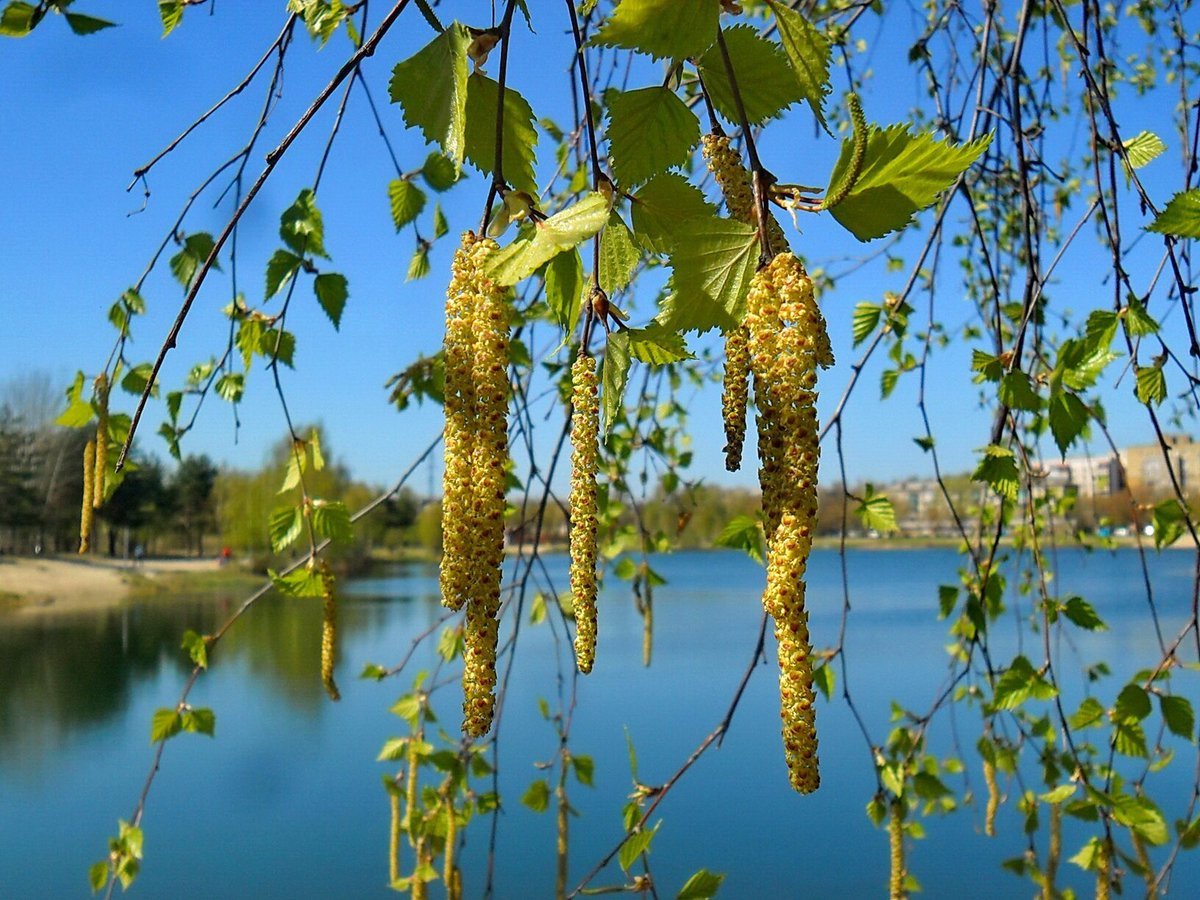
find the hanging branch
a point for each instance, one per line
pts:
(499, 185)
(350, 65)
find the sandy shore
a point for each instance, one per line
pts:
(64, 584)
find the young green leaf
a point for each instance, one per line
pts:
(1133, 704)
(998, 468)
(332, 291)
(196, 647)
(189, 259)
(637, 844)
(1020, 683)
(520, 137)
(439, 172)
(1017, 392)
(231, 386)
(866, 318)
(284, 527)
(1181, 218)
(876, 512)
(656, 345)
(619, 256)
(614, 378)
(302, 228)
(585, 768)
(280, 267)
(1068, 417)
(714, 263)
(418, 265)
(564, 289)
(1170, 522)
(431, 88)
(537, 796)
(199, 720)
(81, 24)
(661, 209)
(676, 29)
(1142, 149)
(650, 130)
(331, 519)
(17, 19)
(902, 173)
(1151, 384)
(1177, 713)
(1083, 614)
(1139, 322)
(541, 242)
(808, 51)
(744, 533)
(165, 724)
(765, 79)
(406, 200)
(703, 885)
(171, 13)
(304, 582)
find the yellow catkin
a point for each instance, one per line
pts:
(450, 873)
(1053, 852)
(89, 485)
(101, 463)
(394, 838)
(897, 872)
(735, 395)
(585, 430)
(1104, 874)
(489, 467)
(328, 632)
(1143, 858)
(787, 343)
(993, 800)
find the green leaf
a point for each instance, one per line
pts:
(637, 843)
(619, 256)
(1177, 713)
(406, 199)
(231, 386)
(301, 226)
(765, 78)
(439, 172)
(1170, 523)
(902, 173)
(1089, 715)
(280, 267)
(1083, 614)
(542, 241)
(1059, 794)
(304, 582)
(1129, 739)
(825, 678)
(703, 885)
(1139, 322)
(876, 512)
(135, 380)
(998, 468)
(81, 24)
(1151, 384)
(97, 872)
(808, 51)
(1181, 217)
(171, 13)
(1068, 417)
(195, 250)
(1189, 835)
(662, 208)
(332, 291)
(656, 345)
(520, 137)
(585, 769)
(165, 724)
(440, 225)
(650, 130)
(537, 796)
(331, 519)
(431, 88)
(614, 378)
(866, 318)
(1019, 683)
(714, 263)
(564, 289)
(1143, 148)
(199, 720)
(418, 265)
(676, 29)
(1140, 814)
(196, 647)
(1017, 392)
(17, 19)
(284, 527)
(744, 533)
(1133, 704)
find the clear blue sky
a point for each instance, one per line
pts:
(81, 113)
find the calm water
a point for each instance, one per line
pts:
(287, 802)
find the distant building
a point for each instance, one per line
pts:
(1147, 471)
(1090, 476)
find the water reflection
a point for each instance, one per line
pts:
(63, 673)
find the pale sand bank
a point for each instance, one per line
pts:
(63, 584)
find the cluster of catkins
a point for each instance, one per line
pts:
(585, 441)
(95, 466)
(476, 445)
(781, 343)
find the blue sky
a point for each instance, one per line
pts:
(80, 114)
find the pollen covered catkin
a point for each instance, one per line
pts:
(328, 631)
(726, 165)
(89, 485)
(101, 464)
(787, 342)
(476, 445)
(585, 441)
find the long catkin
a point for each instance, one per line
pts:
(476, 445)
(787, 342)
(101, 462)
(328, 631)
(585, 430)
(89, 485)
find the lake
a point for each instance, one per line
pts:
(287, 800)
